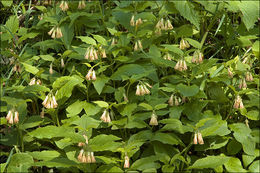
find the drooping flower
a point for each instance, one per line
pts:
(132, 21)
(62, 63)
(153, 120)
(32, 81)
(230, 74)
(170, 101)
(126, 164)
(184, 44)
(200, 139)
(82, 4)
(12, 117)
(64, 6)
(105, 117)
(42, 113)
(91, 75)
(138, 90)
(238, 103)
(93, 160)
(181, 65)
(50, 101)
(51, 70)
(195, 139)
(16, 117)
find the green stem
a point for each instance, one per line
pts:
(57, 118)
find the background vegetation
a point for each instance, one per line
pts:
(114, 86)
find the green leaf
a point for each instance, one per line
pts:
(30, 68)
(91, 109)
(100, 39)
(175, 125)
(145, 163)
(234, 165)
(76, 107)
(127, 70)
(104, 142)
(166, 138)
(209, 162)
(174, 49)
(68, 34)
(86, 122)
(102, 104)
(250, 11)
(87, 40)
(146, 106)
(160, 106)
(187, 91)
(187, 10)
(255, 48)
(100, 82)
(12, 24)
(7, 3)
(255, 166)
(47, 57)
(247, 159)
(35, 88)
(44, 155)
(20, 162)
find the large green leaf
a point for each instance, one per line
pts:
(187, 91)
(186, 9)
(209, 162)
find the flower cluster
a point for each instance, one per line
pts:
(92, 53)
(91, 75)
(184, 44)
(167, 56)
(249, 76)
(134, 22)
(105, 117)
(198, 138)
(138, 45)
(173, 101)
(82, 4)
(153, 120)
(50, 101)
(242, 83)
(141, 89)
(238, 103)
(17, 68)
(33, 81)
(197, 57)
(181, 65)
(12, 117)
(64, 6)
(163, 25)
(86, 157)
(55, 32)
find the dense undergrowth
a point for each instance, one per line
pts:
(120, 86)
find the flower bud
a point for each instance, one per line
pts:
(201, 56)
(169, 25)
(82, 4)
(80, 156)
(64, 6)
(45, 100)
(9, 115)
(87, 54)
(132, 21)
(104, 55)
(89, 75)
(140, 44)
(88, 158)
(51, 70)
(142, 90)
(176, 101)
(146, 90)
(136, 46)
(59, 33)
(62, 63)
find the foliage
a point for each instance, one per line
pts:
(167, 86)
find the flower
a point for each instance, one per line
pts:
(62, 63)
(105, 116)
(51, 70)
(91, 75)
(170, 101)
(126, 164)
(238, 103)
(32, 81)
(184, 44)
(169, 25)
(249, 76)
(195, 139)
(42, 113)
(132, 21)
(200, 139)
(93, 160)
(50, 101)
(12, 117)
(181, 65)
(82, 4)
(64, 6)
(138, 90)
(153, 120)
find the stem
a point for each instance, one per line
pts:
(57, 118)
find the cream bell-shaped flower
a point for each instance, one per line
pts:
(153, 120)
(126, 163)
